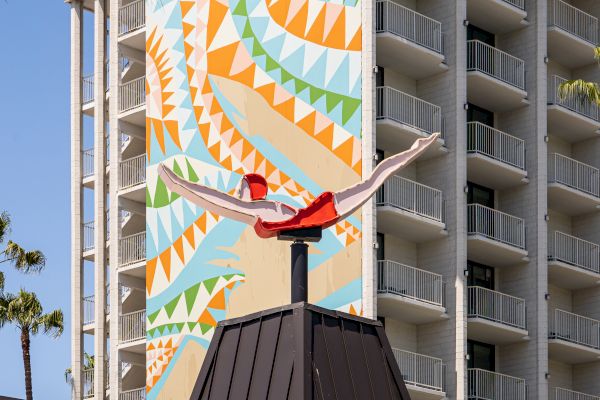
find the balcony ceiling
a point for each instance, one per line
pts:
(568, 49)
(571, 277)
(136, 116)
(571, 201)
(571, 126)
(493, 94)
(408, 310)
(492, 173)
(496, 16)
(395, 137)
(494, 253)
(408, 58)
(406, 225)
(135, 39)
(571, 353)
(421, 393)
(483, 330)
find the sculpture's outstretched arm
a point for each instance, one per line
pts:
(350, 199)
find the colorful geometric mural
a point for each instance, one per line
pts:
(234, 87)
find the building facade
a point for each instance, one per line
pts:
(482, 259)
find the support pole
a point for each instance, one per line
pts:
(299, 271)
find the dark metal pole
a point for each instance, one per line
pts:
(299, 271)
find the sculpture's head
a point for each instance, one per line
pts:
(253, 187)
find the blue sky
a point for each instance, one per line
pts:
(34, 167)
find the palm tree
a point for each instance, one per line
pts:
(88, 364)
(580, 90)
(26, 313)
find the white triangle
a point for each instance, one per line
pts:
(226, 34)
(334, 60)
(311, 55)
(314, 8)
(290, 45)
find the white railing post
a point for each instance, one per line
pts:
(498, 307)
(410, 282)
(134, 394)
(566, 394)
(574, 21)
(491, 142)
(132, 326)
(132, 16)
(132, 94)
(496, 63)
(420, 370)
(573, 173)
(496, 225)
(132, 249)
(494, 386)
(574, 251)
(87, 88)
(400, 193)
(575, 329)
(132, 171)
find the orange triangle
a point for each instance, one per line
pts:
(315, 34)
(178, 246)
(165, 260)
(187, 28)
(185, 7)
(150, 269)
(352, 310)
(159, 134)
(173, 129)
(189, 235)
(356, 42)
(344, 151)
(207, 318)
(218, 301)
(217, 12)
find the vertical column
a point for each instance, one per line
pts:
(99, 198)
(369, 233)
(76, 200)
(115, 223)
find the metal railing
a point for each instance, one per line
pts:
(87, 160)
(412, 197)
(88, 236)
(88, 383)
(566, 394)
(413, 283)
(585, 108)
(483, 139)
(496, 63)
(89, 310)
(132, 94)
(408, 110)
(408, 24)
(132, 249)
(132, 16)
(87, 83)
(574, 328)
(573, 20)
(495, 225)
(573, 173)
(517, 3)
(498, 307)
(132, 326)
(574, 251)
(132, 171)
(134, 394)
(420, 370)
(490, 385)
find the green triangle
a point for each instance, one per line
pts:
(161, 329)
(257, 49)
(332, 100)
(191, 173)
(300, 85)
(271, 64)
(190, 296)
(285, 76)
(315, 94)
(177, 169)
(247, 30)
(161, 195)
(210, 284)
(148, 198)
(240, 9)
(170, 306)
(151, 332)
(152, 317)
(228, 276)
(179, 326)
(191, 325)
(349, 107)
(205, 327)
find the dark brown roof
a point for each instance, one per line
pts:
(300, 352)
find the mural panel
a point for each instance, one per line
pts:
(233, 87)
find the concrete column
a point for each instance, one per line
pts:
(115, 223)
(99, 198)
(76, 200)
(369, 215)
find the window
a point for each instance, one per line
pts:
(475, 33)
(478, 114)
(480, 195)
(379, 77)
(481, 355)
(380, 246)
(480, 275)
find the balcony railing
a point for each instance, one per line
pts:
(517, 3)
(483, 139)
(573, 20)
(87, 88)
(132, 16)
(87, 160)
(132, 171)
(409, 24)
(574, 251)
(88, 236)
(408, 110)
(497, 307)
(495, 225)
(88, 383)
(132, 249)
(575, 174)
(585, 108)
(494, 386)
(132, 94)
(412, 197)
(566, 394)
(134, 394)
(89, 310)
(132, 326)
(420, 370)
(575, 328)
(413, 283)
(495, 63)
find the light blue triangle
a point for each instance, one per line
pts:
(339, 81)
(316, 75)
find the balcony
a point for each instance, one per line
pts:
(132, 254)
(495, 79)
(494, 159)
(573, 263)
(89, 312)
(87, 93)
(566, 394)
(132, 21)
(134, 394)
(88, 382)
(495, 317)
(132, 331)
(497, 16)
(132, 101)
(568, 118)
(573, 187)
(408, 42)
(572, 35)
(132, 178)
(490, 385)
(88, 246)
(573, 338)
(409, 294)
(495, 238)
(423, 375)
(410, 210)
(402, 119)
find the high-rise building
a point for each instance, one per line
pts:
(482, 259)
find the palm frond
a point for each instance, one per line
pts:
(24, 261)
(597, 53)
(2, 281)
(68, 376)
(581, 91)
(53, 323)
(4, 225)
